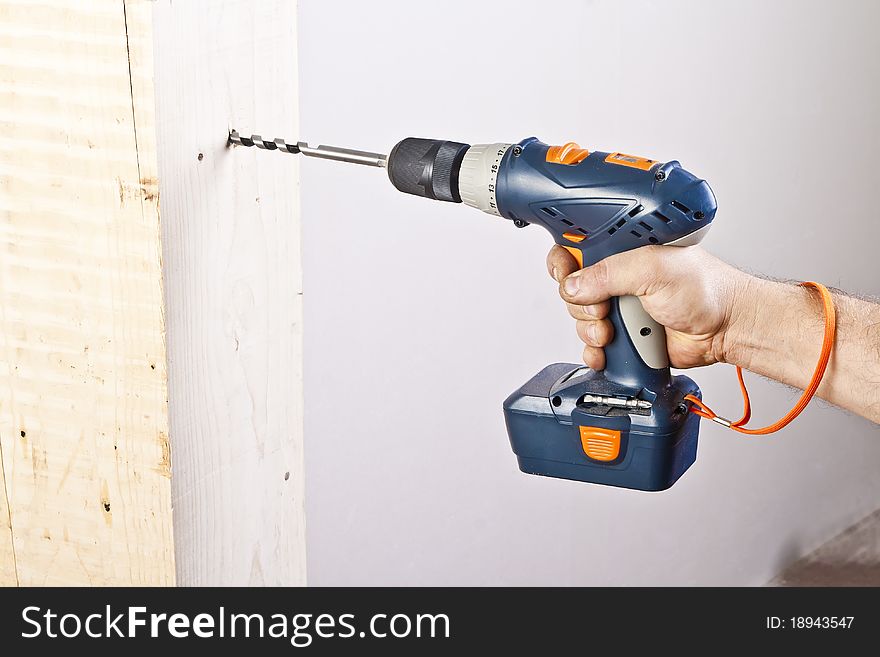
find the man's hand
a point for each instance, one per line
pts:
(716, 313)
(691, 293)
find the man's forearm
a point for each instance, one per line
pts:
(776, 330)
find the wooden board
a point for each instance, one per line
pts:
(8, 574)
(231, 238)
(83, 411)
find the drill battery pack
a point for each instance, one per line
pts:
(644, 439)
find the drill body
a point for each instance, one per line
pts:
(627, 425)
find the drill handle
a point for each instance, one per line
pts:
(637, 354)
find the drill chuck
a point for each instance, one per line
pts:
(427, 167)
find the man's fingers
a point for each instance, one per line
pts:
(631, 272)
(594, 357)
(593, 311)
(595, 333)
(560, 263)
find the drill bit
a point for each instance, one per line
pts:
(324, 152)
(615, 401)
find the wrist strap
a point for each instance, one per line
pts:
(699, 408)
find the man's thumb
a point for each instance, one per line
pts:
(630, 272)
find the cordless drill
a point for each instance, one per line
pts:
(627, 425)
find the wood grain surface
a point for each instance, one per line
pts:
(232, 264)
(86, 471)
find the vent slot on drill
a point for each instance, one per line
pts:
(635, 233)
(614, 228)
(553, 212)
(636, 210)
(681, 206)
(646, 227)
(662, 217)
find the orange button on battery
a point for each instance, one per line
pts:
(569, 153)
(600, 444)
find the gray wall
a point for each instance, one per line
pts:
(421, 317)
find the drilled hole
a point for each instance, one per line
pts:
(645, 332)
(653, 240)
(556, 401)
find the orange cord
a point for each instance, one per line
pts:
(704, 411)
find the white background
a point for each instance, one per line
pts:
(421, 317)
